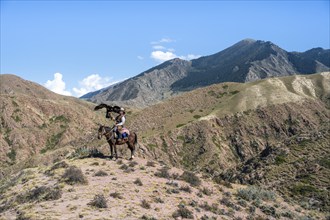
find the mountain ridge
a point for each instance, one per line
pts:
(246, 61)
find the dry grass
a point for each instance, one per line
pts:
(74, 175)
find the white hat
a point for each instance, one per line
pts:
(122, 109)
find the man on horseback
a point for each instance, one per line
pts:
(119, 124)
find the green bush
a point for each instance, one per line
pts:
(116, 195)
(74, 175)
(191, 178)
(197, 116)
(163, 173)
(101, 173)
(145, 204)
(254, 193)
(41, 193)
(303, 189)
(99, 201)
(138, 182)
(183, 212)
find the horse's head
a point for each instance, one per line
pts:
(101, 132)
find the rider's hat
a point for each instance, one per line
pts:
(122, 109)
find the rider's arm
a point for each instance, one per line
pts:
(122, 121)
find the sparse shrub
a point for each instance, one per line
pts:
(129, 170)
(172, 183)
(183, 212)
(234, 92)
(197, 116)
(242, 203)
(191, 178)
(74, 175)
(95, 164)
(226, 201)
(119, 162)
(205, 217)
(145, 217)
(227, 194)
(172, 191)
(132, 164)
(180, 125)
(116, 195)
(287, 214)
(21, 216)
(280, 159)
(101, 173)
(253, 193)
(99, 201)
(123, 167)
(138, 182)
(268, 210)
(145, 204)
(252, 209)
(211, 208)
(206, 191)
(159, 200)
(163, 173)
(186, 189)
(151, 164)
(41, 193)
(61, 164)
(175, 176)
(303, 189)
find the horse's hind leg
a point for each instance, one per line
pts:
(111, 151)
(132, 148)
(116, 155)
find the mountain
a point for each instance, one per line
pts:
(259, 149)
(272, 132)
(246, 61)
(34, 121)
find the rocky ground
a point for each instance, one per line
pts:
(98, 188)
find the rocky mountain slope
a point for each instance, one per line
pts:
(34, 120)
(94, 188)
(220, 129)
(272, 133)
(246, 61)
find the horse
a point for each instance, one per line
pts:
(131, 141)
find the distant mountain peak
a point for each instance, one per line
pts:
(247, 60)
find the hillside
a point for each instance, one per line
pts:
(246, 61)
(94, 188)
(271, 133)
(218, 129)
(37, 121)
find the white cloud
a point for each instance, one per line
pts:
(140, 57)
(57, 85)
(92, 83)
(190, 57)
(161, 56)
(158, 47)
(163, 40)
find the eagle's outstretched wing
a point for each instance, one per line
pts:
(100, 106)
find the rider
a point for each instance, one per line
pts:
(119, 121)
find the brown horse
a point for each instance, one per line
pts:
(131, 141)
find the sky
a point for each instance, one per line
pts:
(74, 47)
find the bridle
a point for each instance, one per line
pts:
(104, 132)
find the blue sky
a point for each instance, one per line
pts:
(73, 47)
